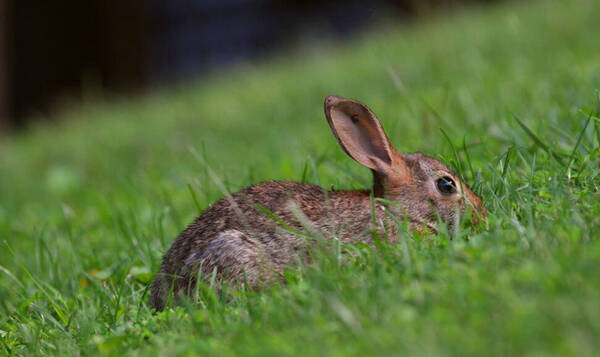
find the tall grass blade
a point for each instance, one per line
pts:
(194, 198)
(538, 142)
(572, 157)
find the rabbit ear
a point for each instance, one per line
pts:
(359, 133)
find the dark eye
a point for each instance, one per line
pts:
(446, 185)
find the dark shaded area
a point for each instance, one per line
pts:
(52, 52)
(58, 47)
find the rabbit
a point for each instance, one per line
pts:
(249, 237)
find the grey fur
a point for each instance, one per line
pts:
(238, 239)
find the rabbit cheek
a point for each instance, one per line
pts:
(445, 209)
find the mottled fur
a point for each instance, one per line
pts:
(240, 241)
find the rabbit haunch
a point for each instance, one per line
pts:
(250, 236)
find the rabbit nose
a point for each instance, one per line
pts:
(478, 215)
(478, 209)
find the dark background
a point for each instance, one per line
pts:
(51, 52)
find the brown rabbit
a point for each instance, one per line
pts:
(251, 235)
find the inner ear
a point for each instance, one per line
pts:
(359, 133)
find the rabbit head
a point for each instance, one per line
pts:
(424, 189)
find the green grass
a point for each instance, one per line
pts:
(88, 205)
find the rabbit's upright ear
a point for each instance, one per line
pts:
(359, 133)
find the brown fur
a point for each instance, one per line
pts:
(239, 240)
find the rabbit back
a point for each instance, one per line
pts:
(250, 236)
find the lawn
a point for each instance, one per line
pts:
(507, 95)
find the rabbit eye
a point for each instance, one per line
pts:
(354, 118)
(446, 185)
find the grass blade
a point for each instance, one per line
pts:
(194, 198)
(538, 142)
(459, 167)
(572, 157)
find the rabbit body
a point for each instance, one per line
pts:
(249, 237)
(238, 238)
